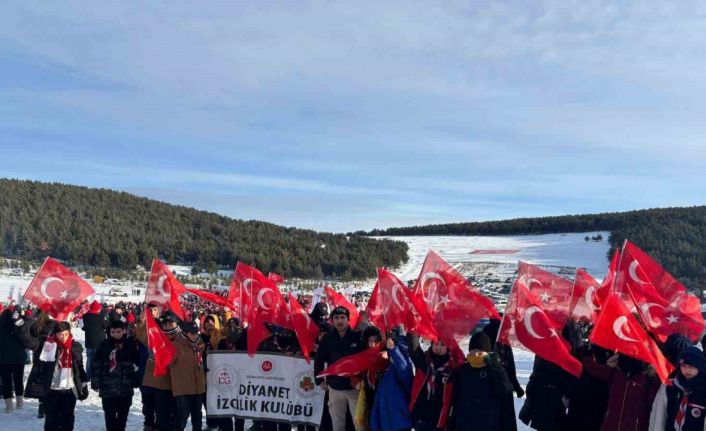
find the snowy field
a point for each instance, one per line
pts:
(565, 250)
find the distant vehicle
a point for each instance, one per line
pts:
(112, 281)
(16, 272)
(117, 291)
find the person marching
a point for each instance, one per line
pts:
(341, 342)
(58, 377)
(188, 377)
(115, 375)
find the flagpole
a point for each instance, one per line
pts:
(573, 288)
(620, 262)
(507, 304)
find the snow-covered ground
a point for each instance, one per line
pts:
(558, 250)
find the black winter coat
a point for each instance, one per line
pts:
(12, 350)
(479, 398)
(332, 348)
(94, 326)
(544, 407)
(40, 377)
(124, 377)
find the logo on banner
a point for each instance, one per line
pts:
(267, 366)
(305, 385)
(224, 378)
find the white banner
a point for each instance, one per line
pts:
(267, 386)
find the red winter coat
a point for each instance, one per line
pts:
(630, 398)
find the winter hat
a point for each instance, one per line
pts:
(168, 316)
(693, 356)
(480, 341)
(340, 310)
(95, 307)
(115, 324)
(189, 327)
(674, 345)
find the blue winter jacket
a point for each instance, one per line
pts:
(391, 405)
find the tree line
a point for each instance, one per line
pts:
(105, 228)
(675, 237)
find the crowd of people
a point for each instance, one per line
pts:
(425, 389)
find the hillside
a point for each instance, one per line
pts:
(106, 228)
(676, 237)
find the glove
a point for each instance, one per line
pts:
(19, 322)
(520, 392)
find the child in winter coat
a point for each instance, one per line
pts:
(431, 388)
(58, 377)
(682, 404)
(115, 375)
(480, 387)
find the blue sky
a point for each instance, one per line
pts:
(340, 116)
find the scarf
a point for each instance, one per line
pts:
(65, 356)
(195, 349)
(437, 366)
(112, 357)
(476, 361)
(686, 388)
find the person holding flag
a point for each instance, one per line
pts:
(431, 388)
(339, 343)
(58, 377)
(156, 375)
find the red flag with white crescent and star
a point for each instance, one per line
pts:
(619, 331)
(262, 303)
(164, 289)
(583, 297)
(370, 359)
(276, 278)
(663, 303)
(335, 299)
(161, 347)
(665, 308)
(454, 305)
(304, 327)
(392, 304)
(552, 290)
(57, 290)
(527, 325)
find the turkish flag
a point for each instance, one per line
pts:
(454, 305)
(164, 289)
(262, 303)
(619, 331)
(368, 360)
(276, 278)
(392, 304)
(553, 291)
(527, 325)
(211, 297)
(338, 300)
(304, 327)
(57, 290)
(163, 351)
(663, 303)
(583, 296)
